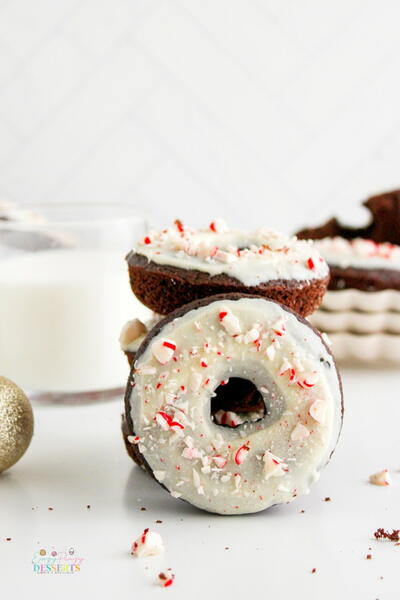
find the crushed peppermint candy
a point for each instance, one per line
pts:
(273, 466)
(166, 579)
(230, 322)
(149, 543)
(381, 478)
(318, 411)
(241, 453)
(163, 350)
(165, 421)
(218, 226)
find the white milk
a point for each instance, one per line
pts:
(61, 312)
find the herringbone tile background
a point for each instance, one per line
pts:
(274, 111)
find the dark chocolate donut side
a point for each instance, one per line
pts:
(164, 288)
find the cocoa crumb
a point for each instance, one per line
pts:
(381, 533)
(8, 539)
(158, 521)
(302, 511)
(369, 556)
(327, 499)
(88, 506)
(314, 570)
(50, 508)
(143, 508)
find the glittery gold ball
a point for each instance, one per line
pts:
(16, 423)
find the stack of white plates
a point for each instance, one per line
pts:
(363, 327)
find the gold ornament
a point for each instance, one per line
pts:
(16, 423)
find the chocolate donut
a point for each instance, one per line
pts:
(175, 266)
(367, 258)
(176, 388)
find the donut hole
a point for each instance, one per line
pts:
(237, 402)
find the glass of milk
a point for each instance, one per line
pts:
(64, 296)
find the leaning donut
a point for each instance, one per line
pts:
(175, 266)
(176, 389)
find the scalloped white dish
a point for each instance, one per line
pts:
(339, 300)
(356, 322)
(377, 348)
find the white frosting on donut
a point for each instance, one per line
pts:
(257, 464)
(359, 253)
(250, 257)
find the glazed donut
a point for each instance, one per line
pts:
(176, 388)
(175, 266)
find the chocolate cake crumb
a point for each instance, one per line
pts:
(143, 508)
(50, 508)
(8, 539)
(369, 556)
(158, 521)
(226, 548)
(302, 511)
(381, 533)
(88, 506)
(327, 499)
(314, 570)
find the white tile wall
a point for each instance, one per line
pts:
(262, 111)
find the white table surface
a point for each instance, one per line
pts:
(77, 458)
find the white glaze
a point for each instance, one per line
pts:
(250, 480)
(359, 253)
(268, 255)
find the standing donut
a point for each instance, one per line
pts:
(288, 383)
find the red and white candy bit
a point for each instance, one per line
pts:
(252, 335)
(165, 421)
(241, 453)
(179, 225)
(147, 240)
(166, 579)
(220, 461)
(225, 257)
(287, 368)
(279, 327)
(218, 226)
(308, 380)
(300, 432)
(311, 264)
(229, 322)
(318, 411)
(163, 350)
(133, 439)
(191, 453)
(227, 417)
(203, 363)
(148, 544)
(381, 478)
(273, 466)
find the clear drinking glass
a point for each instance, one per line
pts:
(64, 296)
